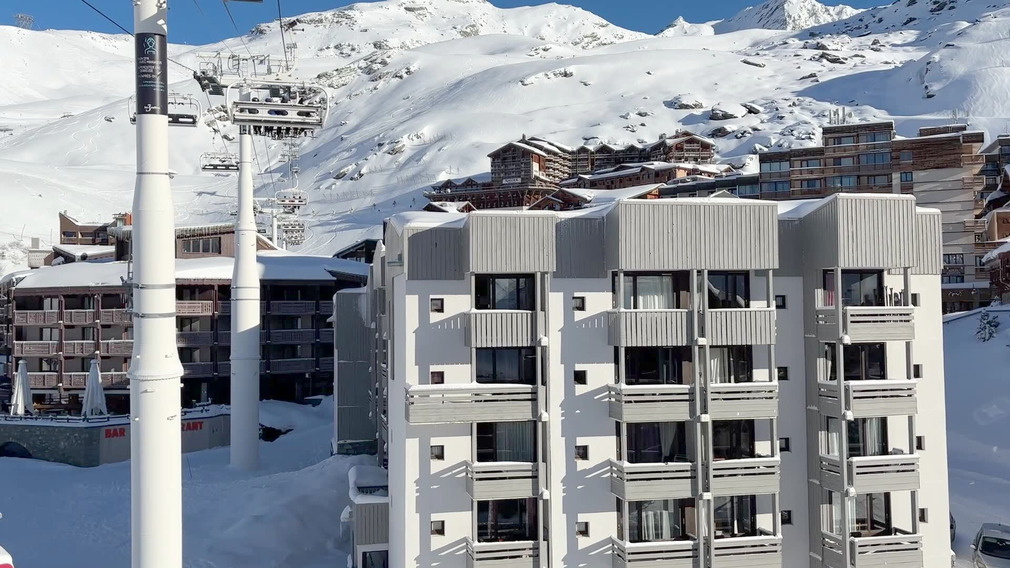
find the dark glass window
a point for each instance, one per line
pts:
(660, 520)
(872, 514)
(505, 292)
(728, 290)
(863, 361)
(375, 559)
(731, 364)
(507, 520)
(656, 365)
(735, 516)
(653, 291)
(657, 442)
(506, 441)
(733, 439)
(859, 288)
(509, 366)
(867, 437)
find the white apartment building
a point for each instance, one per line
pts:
(677, 383)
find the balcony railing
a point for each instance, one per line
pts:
(36, 317)
(123, 347)
(302, 365)
(740, 326)
(50, 380)
(649, 328)
(443, 404)
(501, 480)
(197, 369)
(867, 323)
(893, 550)
(665, 554)
(291, 336)
(115, 316)
(326, 335)
(194, 308)
(80, 317)
(867, 399)
(733, 401)
(194, 338)
(36, 348)
(501, 328)
(652, 481)
(293, 308)
(79, 348)
(650, 403)
(522, 554)
(752, 476)
(751, 551)
(872, 474)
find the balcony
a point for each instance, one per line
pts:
(326, 335)
(740, 326)
(117, 379)
(751, 476)
(501, 328)
(36, 348)
(652, 481)
(290, 336)
(36, 317)
(197, 369)
(521, 554)
(867, 323)
(80, 317)
(666, 554)
(738, 401)
(501, 480)
(122, 347)
(194, 338)
(898, 551)
(649, 328)
(292, 308)
(873, 474)
(869, 399)
(445, 404)
(749, 551)
(43, 380)
(650, 403)
(83, 348)
(302, 365)
(194, 308)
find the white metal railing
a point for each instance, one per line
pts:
(891, 550)
(749, 476)
(759, 551)
(497, 554)
(648, 554)
(647, 402)
(435, 404)
(500, 328)
(647, 328)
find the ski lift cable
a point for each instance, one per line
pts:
(280, 26)
(241, 36)
(115, 23)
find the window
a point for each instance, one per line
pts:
(859, 288)
(906, 155)
(782, 373)
(438, 528)
(978, 261)
(867, 437)
(872, 515)
(780, 302)
(653, 291)
(582, 529)
(508, 366)
(952, 279)
(659, 520)
(507, 442)
(774, 166)
(920, 443)
(915, 299)
(906, 177)
(733, 439)
(437, 305)
(811, 183)
(656, 365)
(784, 445)
(841, 140)
(438, 452)
(580, 377)
(923, 515)
(875, 158)
(656, 442)
(815, 163)
(954, 259)
(774, 186)
(507, 520)
(375, 559)
(917, 371)
(878, 136)
(735, 516)
(437, 378)
(728, 290)
(994, 546)
(579, 303)
(862, 361)
(842, 181)
(210, 245)
(786, 517)
(877, 180)
(731, 364)
(844, 161)
(748, 189)
(511, 292)
(582, 453)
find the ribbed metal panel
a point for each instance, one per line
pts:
(756, 476)
(580, 245)
(876, 231)
(371, 523)
(434, 254)
(819, 236)
(649, 328)
(490, 480)
(510, 243)
(741, 326)
(927, 246)
(652, 481)
(791, 246)
(684, 234)
(501, 328)
(352, 350)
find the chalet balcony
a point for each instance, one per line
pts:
(501, 480)
(750, 551)
(37, 348)
(750, 476)
(121, 347)
(652, 481)
(740, 326)
(115, 316)
(84, 348)
(520, 554)
(292, 308)
(738, 401)
(194, 308)
(649, 328)
(197, 369)
(117, 379)
(43, 380)
(36, 317)
(869, 399)
(900, 549)
(194, 338)
(665, 554)
(501, 328)
(80, 317)
(650, 403)
(445, 404)
(290, 336)
(326, 335)
(302, 365)
(867, 323)
(873, 474)
(326, 363)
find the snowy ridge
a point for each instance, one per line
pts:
(789, 15)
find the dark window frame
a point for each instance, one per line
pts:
(732, 284)
(485, 292)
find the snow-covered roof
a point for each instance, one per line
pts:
(994, 254)
(521, 146)
(77, 251)
(273, 265)
(371, 477)
(426, 219)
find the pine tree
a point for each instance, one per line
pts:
(988, 324)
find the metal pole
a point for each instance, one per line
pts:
(245, 322)
(155, 371)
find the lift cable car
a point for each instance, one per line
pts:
(183, 110)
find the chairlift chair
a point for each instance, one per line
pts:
(219, 162)
(183, 110)
(278, 109)
(291, 198)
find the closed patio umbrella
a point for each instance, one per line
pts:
(94, 394)
(21, 399)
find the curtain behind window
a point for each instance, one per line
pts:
(655, 292)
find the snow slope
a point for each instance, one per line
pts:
(785, 15)
(422, 91)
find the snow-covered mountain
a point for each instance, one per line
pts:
(422, 91)
(785, 15)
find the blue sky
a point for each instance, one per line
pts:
(188, 25)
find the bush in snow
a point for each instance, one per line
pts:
(995, 302)
(988, 324)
